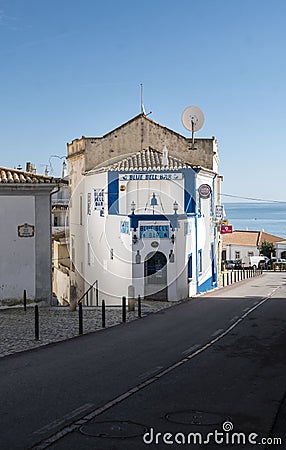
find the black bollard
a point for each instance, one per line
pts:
(96, 294)
(103, 313)
(124, 309)
(139, 307)
(37, 333)
(80, 319)
(25, 300)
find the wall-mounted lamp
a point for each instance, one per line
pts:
(135, 239)
(153, 202)
(111, 253)
(172, 238)
(175, 207)
(133, 207)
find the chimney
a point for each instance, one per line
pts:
(47, 171)
(64, 170)
(165, 161)
(28, 167)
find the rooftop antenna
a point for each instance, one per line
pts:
(142, 104)
(193, 120)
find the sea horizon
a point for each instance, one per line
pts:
(257, 216)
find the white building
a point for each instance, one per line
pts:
(144, 225)
(281, 249)
(60, 202)
(25, 240)
(61, 267)
(241, 244)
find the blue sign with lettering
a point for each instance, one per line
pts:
(124, 227)
(154, 231)
(98, 195)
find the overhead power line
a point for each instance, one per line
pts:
(254, 199)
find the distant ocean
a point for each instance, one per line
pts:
(270, 217)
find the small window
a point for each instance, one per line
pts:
(190, 267)
(80, 210)
(88, 253)
(200, 261)
(237, 255)
(250, 254)
(73, 254)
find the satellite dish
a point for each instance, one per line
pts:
(193, 120)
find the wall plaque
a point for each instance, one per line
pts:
(26, 230)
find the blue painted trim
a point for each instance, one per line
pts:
(172, 218)
(196, 238)
(190, 267)
(206, 286)
(189, 191)
(139, 172)
(214, 264)
(113, 192)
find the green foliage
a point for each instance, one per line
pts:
(267, 249)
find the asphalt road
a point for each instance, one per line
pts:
(215, 364)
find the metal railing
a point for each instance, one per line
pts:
(87, 291)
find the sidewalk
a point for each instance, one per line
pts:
(17, 327)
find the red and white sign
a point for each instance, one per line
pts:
(225, 229)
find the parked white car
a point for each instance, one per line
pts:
(258, 262)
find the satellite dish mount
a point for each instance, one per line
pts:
(193, 120)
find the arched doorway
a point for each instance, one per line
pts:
(155, 276)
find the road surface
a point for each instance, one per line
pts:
(215, 364)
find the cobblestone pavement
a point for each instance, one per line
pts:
(17, 327)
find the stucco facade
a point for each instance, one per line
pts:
(25, 240)
(242, 244)
(139, 133)
(142, 225)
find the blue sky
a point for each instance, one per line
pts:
(72, 68)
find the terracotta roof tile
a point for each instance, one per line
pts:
(15, 176)
(148, 159)
(249, 238)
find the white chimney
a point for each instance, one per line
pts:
(64, 170)
(165, 160)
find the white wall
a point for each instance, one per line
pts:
(104, 253)
(61, 286)
(205, 228)
(231, 249)
(17, 263)
(141, 192)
